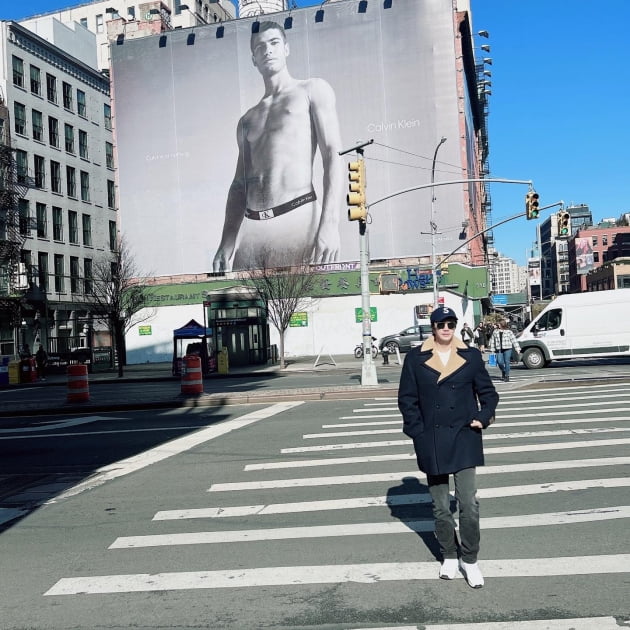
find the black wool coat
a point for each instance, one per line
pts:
(438, 402)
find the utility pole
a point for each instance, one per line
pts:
(358, 212)
(434, 226)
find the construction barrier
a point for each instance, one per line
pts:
(14, 372)
(78, 387)
(192, 379)
(28, 370)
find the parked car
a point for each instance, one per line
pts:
(406, 339)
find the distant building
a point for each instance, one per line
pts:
(57, 138)
(507, 276)
(95, 17)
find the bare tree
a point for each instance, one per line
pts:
(119, 296)
(284, 289)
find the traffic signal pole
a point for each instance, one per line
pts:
(358, 212)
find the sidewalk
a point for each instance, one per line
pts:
(166, 391)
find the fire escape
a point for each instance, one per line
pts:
(14, 184)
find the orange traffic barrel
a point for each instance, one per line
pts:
(78, 387)
(192, 379)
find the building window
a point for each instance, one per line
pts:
(596, 257)
(87, 276)
(38, 125)
(42, 223)
(99, 23)
(40, 171)
(594, 240)
(73, 227)
(55, 176)
(604, 240)
(113, 234)
(109, 155)
(74, 274)
(107, 115)
(36, 80)
(69, 137)
(85, 186)
(42, 264)
(53, 132)
(21, 164)
(87, 230)
(18, 72)
(59, 274)
(19, 115)
(111, 194)
(131, 12)
(67, 96)
(81, 106)
(57, 214)
(25, 217)
(71, 182)
(51, 88)
(83, 144)
(83, 22)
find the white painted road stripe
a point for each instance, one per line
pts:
(487, 436)
(174, 447)
(503, 425)
(365, 529)
(382, 501)
(396, 457)
(581, 623)
(397, 476)
(334, 574)
(59, 424)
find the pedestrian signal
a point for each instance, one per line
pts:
(531, 205)
(356, 196)
(564, 223)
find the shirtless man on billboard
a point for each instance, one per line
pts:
(272, 209)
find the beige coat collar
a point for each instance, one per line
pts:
(455, 361)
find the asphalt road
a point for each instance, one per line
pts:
(313, 516)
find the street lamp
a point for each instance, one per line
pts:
(433, 224)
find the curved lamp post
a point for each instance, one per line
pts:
(433, 224)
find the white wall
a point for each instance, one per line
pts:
(331, 329)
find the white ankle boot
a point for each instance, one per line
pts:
(448, 570)
(472, 573)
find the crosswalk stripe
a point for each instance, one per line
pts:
(487, 436)
(333, 574)
(393, 476)
(382, 501)
(528, 423)
(498, 449)
(394, 457)
(365, 529)
(581, 623)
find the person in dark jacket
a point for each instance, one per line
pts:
(447, 398)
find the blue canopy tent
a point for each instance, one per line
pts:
(193, 339)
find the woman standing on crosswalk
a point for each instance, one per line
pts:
(447, 398)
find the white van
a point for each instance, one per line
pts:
(578, 326)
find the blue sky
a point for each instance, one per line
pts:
(558, 109)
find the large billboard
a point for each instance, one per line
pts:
(584, 256)
(228, 136)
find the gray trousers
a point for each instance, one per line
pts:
(466, 496)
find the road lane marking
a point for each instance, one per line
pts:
(60, 424)
(383, 501)
(521, 448)
(173, 447)
(397, 476)
(334, 574)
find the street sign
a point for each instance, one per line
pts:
(298, 320)
(500, 298)
(145, 330)
(358, 314)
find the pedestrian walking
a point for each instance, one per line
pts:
(41, 360)
(481, 340)
(447, 398)
(502, 343)
(467, 334)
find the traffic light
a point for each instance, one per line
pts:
(531, 205)
(356, 196)
(564, 223)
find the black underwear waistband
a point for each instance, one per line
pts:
(283, 208)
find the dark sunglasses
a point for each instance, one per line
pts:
(451, 325)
